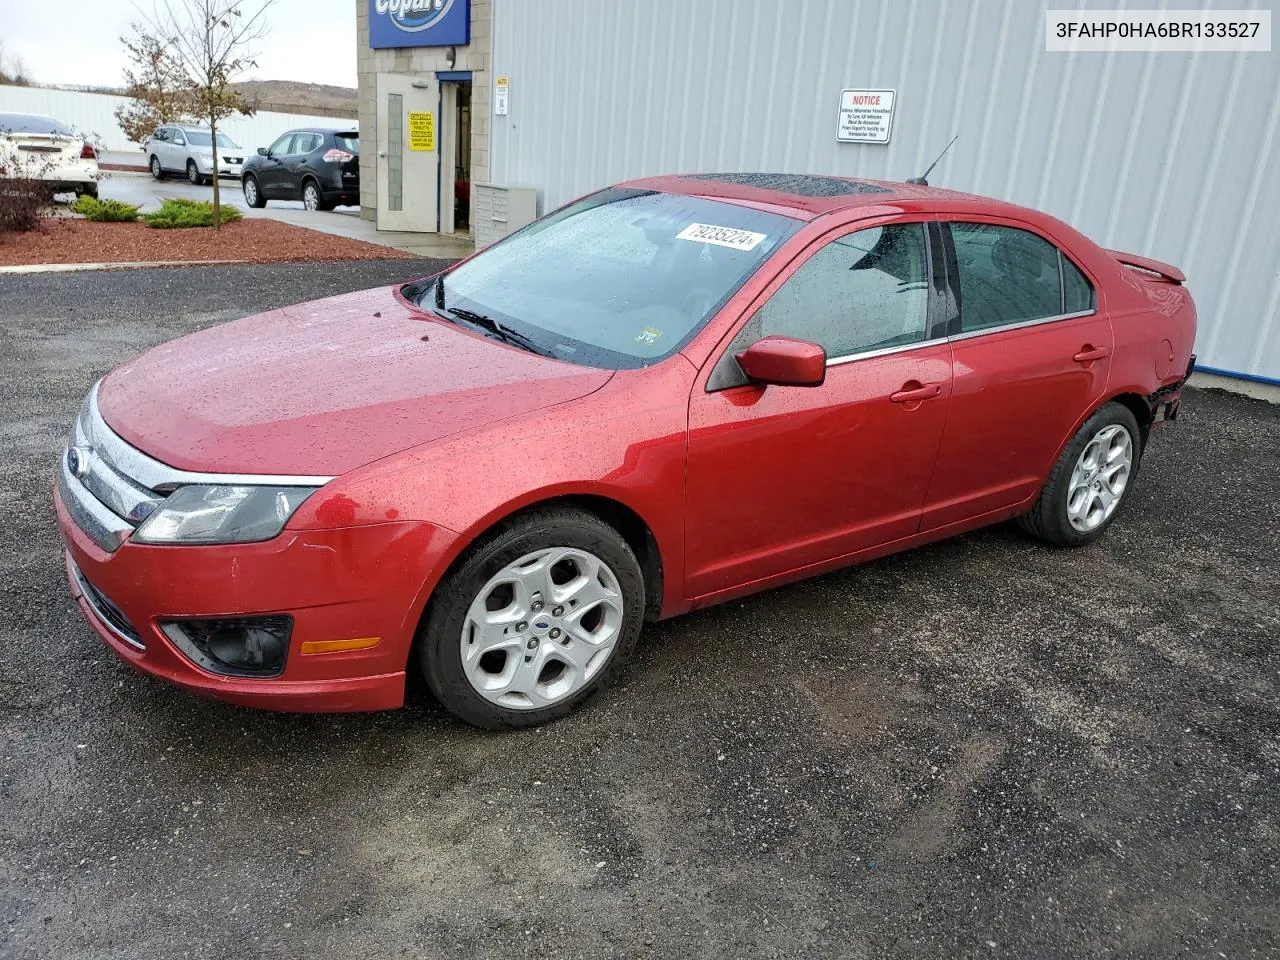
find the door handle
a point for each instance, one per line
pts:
(913, 391)
(1088, 353)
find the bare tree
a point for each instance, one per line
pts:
(214, 42)
(156, 83)
(13, 69)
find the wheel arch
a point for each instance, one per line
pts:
(635, 531)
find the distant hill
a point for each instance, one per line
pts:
(282, 96)
(289, 96)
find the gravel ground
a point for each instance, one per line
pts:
(66, 240)
(986, 748)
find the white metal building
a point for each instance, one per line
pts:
(1170, 155)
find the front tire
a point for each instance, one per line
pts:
(193, 174)
(156, 170)
(252, 195)
(1090, 481)
(537, 619)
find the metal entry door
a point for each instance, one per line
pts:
(408, 152)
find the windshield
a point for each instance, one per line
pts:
(622, 278)
(200, 138)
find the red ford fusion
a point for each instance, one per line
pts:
(669, 393)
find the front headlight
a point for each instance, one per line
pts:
(222, 514)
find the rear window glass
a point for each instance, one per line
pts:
(349, 142)
(24, 123)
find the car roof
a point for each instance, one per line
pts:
(808, 196)
(350, 129)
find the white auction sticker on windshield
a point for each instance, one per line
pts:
(721, 236)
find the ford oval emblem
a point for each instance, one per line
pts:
(541, 624)
(78, 461)
(413, 15)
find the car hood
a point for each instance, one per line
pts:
(324, 387)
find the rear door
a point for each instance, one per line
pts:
(780, 478)
(299, 161)
(1032, 356)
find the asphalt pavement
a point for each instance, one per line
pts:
(985, 748)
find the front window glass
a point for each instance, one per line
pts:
(281, 146)
(861, 292)
(1006, 276)
(620, 279)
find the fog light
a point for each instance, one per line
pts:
(235, 646)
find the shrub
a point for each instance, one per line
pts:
(175, 213)
(108, 211)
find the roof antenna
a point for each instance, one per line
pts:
(921, 181)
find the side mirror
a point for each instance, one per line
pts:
(784, 362)
(262, 151)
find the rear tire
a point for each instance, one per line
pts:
(156, 170)
(1090, 481)
(252, 194)
(557, 591)
(312, 197)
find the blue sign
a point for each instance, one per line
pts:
(419, 23)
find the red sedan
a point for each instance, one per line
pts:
(667, 394)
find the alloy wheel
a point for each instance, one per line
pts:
(250, 192)
(155, 167)
(311, 197)
(1100, 477)
(542, 628)
(192, 173)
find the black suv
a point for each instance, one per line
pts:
(320, 167)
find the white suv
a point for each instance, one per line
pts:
(189, 150)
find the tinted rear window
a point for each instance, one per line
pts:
(24, 123)
(349, 142)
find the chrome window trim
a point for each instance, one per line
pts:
(904, 347)
(885, 351)
(970, 334)
(155, 475)
(88, 513)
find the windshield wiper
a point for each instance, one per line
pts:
(505, 334)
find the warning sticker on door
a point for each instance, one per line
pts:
(422, 130)
(721, 236)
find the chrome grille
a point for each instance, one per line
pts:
(114, 486)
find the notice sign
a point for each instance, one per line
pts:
(422, 130)
(866, 116)
(502, 96)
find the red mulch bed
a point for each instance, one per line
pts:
(64, 240)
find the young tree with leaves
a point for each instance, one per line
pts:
(156, 83)
(213, 42)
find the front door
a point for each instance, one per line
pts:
(271, 173)
(1032, 357)
(408, 152)
(780, 478)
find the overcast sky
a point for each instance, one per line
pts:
(313, 41)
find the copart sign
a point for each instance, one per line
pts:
(419, 23)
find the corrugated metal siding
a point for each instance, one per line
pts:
(1171, 155)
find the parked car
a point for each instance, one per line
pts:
(320, 167)
(189, 151)
(670, 393)
(42, 148)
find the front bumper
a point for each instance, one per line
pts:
(225, 167)
(356, 582)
